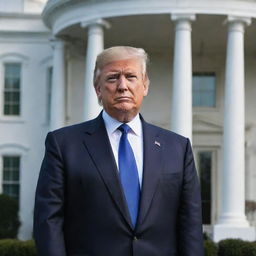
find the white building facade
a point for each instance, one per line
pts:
(203, 86)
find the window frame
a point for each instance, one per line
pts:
(13, 149)
(11, 182)
(23, 61)
(217, 107)
(214, 180)
(11, 90)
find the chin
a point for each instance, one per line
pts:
(125, 107)
(126, 111)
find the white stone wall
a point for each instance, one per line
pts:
(11, 6)
(24, 135)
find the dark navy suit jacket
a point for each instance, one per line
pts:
(80, 208)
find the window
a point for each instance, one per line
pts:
(205, 171)
(204, 90)
(12, 78)
(11, 175)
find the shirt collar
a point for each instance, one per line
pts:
(112, 124)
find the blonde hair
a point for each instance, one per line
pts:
(119, 53)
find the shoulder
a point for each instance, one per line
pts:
(76, 130)
(170, 141)
(164, 133)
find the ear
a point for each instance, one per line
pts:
(98, 92)
(97, 89)
(146, 85)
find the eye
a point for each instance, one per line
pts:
(131, 77)
(112, 78)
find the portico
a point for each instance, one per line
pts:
(183, 42)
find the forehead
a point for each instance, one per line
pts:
(129, 65)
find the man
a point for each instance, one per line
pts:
(116, 185)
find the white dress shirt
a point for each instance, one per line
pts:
(135, 138)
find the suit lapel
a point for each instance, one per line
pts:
(151, 168)
(99, 148)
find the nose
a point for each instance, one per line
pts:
(122, 84)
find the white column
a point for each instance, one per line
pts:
(57, 111)
(181, 117)
(232, 222)
(95, 45)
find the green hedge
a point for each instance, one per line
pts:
(210, 248)
(236, 247)
(228, 247)
(9, 220)
(13, 247)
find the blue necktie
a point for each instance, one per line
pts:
(128, 173)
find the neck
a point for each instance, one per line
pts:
(123, 117)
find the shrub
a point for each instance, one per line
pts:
(206, 236)
(13, 247)
(236, 247)
(210, 248)
(9, 221)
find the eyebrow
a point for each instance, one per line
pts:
(123, 71)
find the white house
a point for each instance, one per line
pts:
(203, 85)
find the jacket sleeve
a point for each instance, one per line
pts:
(49, 202)
(190, 212)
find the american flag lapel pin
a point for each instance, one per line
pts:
(157, 143)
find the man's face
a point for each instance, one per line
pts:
(121, 88)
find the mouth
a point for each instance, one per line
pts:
(123, 98)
